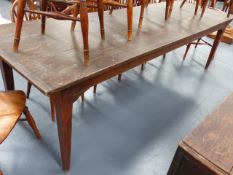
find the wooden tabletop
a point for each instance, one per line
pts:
(213, 138)
(54, 61)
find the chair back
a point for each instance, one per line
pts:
(31, 4)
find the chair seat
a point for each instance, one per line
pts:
(12, 104)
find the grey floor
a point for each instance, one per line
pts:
(131, 127)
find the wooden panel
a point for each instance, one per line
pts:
(54, 61)
(213, 138)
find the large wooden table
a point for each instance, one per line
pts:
(54, 62)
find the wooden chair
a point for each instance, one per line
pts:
(12, 105)
(27, 16)
(75, 6)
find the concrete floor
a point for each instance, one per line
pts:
(131, 127)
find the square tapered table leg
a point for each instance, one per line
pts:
(214, 47)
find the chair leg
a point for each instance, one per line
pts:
(130, 19)
(143, 3)
(230, 7)
(147, 3)
(167, 9)
(29, 86)
(19, 23)
(100, 6)
(204, 7)
(171, 8)
(182, 4)
(94, 89)
(84, 26)
(186, 51)
(111, 10)
(31, 122)
(43, 18)
(119, 77)
(75, 14)
(224, 5)
(197, 5)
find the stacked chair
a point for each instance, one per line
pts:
(74, 7)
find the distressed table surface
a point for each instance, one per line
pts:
(54, 61)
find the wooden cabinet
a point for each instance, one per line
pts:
(208, 150)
